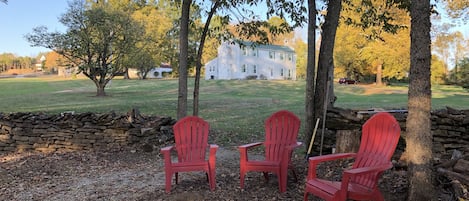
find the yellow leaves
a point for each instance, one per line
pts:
(54, 60)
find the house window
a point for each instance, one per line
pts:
(243, 68)
(289, 73)
(281, 56)
(272, 55)
(254, 52)
(254, 69)
(281, 72)
(290, 57)
(271, 72)
(245, 51)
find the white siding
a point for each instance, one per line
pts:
(263, 61)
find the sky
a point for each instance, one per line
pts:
(19, 17)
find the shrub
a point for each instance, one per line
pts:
(251, 77)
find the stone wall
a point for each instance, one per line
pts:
(86, 131)
(450, 128)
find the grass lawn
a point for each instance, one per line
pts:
(235, 107)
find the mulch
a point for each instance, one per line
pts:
(133, 174)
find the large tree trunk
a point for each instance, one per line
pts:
(310, 72)
(183, 54)
(326, 61)
(347, 141)
(418, 124)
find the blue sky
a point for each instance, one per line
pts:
(19, 17)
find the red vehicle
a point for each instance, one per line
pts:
(347, 81)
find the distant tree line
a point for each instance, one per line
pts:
(10, 61)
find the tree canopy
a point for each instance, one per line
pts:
(96, 41)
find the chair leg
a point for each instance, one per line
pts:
(212, 181)
(241, 178)
(266, 176)
(282, 181)
(378, 196)
(305, 196)
(169, 176)
(294, 172)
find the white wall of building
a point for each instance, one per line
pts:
(271, 62)
(156, 72)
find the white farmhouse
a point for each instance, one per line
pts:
(269, 62)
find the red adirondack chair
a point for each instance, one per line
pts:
(191, 145)
(281, 131)
(380, 135)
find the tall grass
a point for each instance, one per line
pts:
(233, 107)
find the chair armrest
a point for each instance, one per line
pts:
(348, 174)
(166, 151)
(290, 149)
(315, 160)
(294, 146)
(330, 157)
(243, 153)
(213, 146)
(212, 154)
(250, 145)
(319, 159)
(287, 154)
(368, 170)
(213, 149)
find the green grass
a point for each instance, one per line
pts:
(233, 107)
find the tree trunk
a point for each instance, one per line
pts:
(126, 74)
(310, 72)
(347, 141)
(100, 89)
(379, 75)
(183, 63)
(326, 61)
(418, 124)
(200, 51)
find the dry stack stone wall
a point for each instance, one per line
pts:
(450, 128)
(86, 131)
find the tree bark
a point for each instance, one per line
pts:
(419, 135)
(310, 72)
(126, 74)
(100, 90)
(195, 109)
(326, 61)
(347, 141)
(379, 74)
(183, 63)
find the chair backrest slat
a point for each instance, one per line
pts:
(281, 130)
(191, 138)
(380, 135)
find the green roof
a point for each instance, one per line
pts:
(269, 46)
